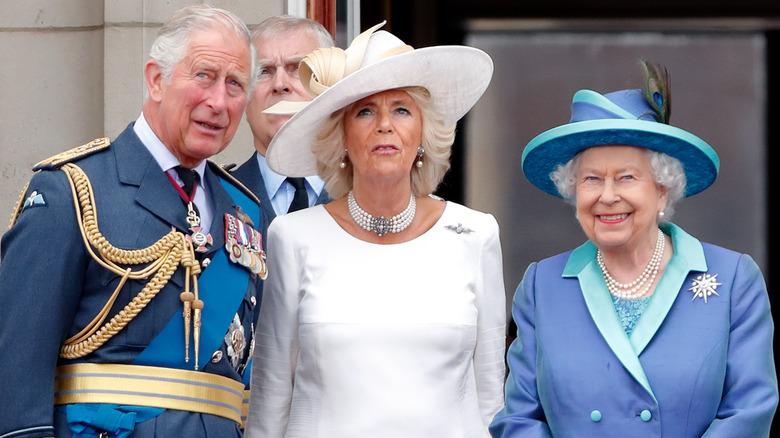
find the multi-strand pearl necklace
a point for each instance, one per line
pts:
(640, 286)
(380, 224)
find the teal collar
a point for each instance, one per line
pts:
(688, 256)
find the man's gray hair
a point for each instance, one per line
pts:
(283, 24)
(172, 42)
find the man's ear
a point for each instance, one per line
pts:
(154, 80)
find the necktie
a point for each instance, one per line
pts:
(200, 239)
(189, 177)
(301, 198)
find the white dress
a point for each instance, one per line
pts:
(357, 339)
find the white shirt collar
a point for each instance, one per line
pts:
(159, 151)
(168, 161)
(273, 181)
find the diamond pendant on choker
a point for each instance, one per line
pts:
(380, 224)
(640, 286)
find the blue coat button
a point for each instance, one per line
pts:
(645, 415)
(595, 415)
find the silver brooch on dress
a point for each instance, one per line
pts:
(704, 285)
(459, 228)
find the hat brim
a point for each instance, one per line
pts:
(559, 145)
(455, 76)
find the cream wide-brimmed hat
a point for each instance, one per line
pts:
(455, 76)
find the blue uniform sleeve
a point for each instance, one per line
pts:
(41, 274)
(522, 415)
(750, 393)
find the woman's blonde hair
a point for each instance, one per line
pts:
(329, 149)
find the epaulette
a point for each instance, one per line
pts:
(224, 174)
(70, 155)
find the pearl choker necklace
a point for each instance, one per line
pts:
(640, 286)
(380, 224)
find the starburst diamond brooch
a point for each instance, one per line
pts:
(704, 285)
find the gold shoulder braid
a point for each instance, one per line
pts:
(19, 205)
(53, 162)
(161, 259)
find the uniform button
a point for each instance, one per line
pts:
(205, 262)
(217, 356)
(645, 415)
(253, 300)
(595, 415)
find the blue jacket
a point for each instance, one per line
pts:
(50, 287)
(690, 368)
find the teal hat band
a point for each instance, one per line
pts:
(619, 118)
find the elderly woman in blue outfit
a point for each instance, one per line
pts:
(643, 330)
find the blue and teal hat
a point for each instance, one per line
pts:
(620, 118)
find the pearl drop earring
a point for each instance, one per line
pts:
(343, 163)
(420, 152)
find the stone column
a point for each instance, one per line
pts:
(51, 92)
(72, 71)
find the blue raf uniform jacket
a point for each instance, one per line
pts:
(690, 368)
(51, 288)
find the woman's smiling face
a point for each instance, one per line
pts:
(618, 199)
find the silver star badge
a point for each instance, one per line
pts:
(704, 285)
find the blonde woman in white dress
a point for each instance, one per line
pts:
(384, 311)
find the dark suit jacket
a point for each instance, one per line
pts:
(249, 174)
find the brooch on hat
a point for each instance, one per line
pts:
(704, 286)
(244, 244)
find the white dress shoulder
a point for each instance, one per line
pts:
(357, 339)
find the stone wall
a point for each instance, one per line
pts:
(72, 70)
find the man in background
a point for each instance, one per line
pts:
(281, 43)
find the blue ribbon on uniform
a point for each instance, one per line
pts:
(222, 287)
(88, 420)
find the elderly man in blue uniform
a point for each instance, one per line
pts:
(132, 271)
(281, 43)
